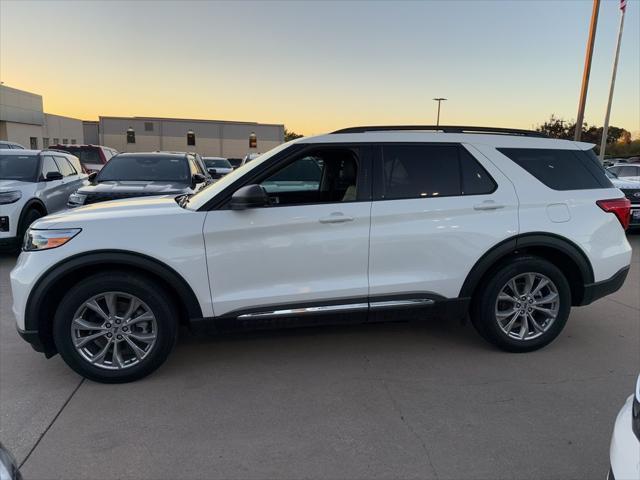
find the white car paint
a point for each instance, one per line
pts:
(52, 194)
(245, 259)
(624, 453)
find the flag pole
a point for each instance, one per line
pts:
(587, 70)
(605, 128)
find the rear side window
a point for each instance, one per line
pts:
(560, 169)
(423, 171)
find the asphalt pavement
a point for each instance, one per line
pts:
(428, 400)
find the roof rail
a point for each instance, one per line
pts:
(444, 129)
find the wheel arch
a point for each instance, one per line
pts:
(559, 250)
(33, 203)
(56, 281)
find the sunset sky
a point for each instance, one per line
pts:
(318, 66)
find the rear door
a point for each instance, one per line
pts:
(437, 209)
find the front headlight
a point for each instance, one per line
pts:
(77, 199)
(47, 239)
(10, 197)
(635, 411)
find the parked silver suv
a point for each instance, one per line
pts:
(34, 183)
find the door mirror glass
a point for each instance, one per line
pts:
(92, 176)
(53, 176)
(197, 178)
(249, 196)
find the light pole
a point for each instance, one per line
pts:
(439, 100)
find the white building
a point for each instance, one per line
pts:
(207, 137)
(22, 120)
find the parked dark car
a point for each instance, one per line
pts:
(143, 174)
(631, 190)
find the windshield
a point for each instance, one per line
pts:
(210, 191)
(18, 167)
(145, 168)
(216, 163)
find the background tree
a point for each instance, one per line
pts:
(290, 135)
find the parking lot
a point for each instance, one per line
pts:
(428, 400)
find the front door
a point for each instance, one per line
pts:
(307, 252)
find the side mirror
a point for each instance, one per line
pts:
(92, 176)
(197, 178)
(212, 171)
(249, 196)
(53, 176)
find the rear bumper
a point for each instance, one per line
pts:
(594, 291)
(635, 215)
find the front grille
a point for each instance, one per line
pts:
(632, 194)
(105, 197)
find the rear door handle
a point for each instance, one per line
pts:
(488, 205)
(336, 217)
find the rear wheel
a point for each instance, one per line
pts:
(523, 305)
(115, 327)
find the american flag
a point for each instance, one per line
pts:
(623, 5)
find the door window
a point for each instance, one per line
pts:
(48, 165)
(65, 167)
(322, 176)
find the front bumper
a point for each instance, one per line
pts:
(624, 453)
(594, 291)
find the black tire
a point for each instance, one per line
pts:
(26, 219)
(116, 281)
(483, 307)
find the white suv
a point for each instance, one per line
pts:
(364, 224)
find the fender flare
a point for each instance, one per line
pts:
(519, 242)
(120, 258)
(31, 203)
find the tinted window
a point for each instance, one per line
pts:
(65, 167)
(87, 155)
(419, 171)
(475, 179)
(560, 169)
(146, 167)
(48, 165)
(18, 167)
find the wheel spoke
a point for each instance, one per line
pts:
(82, 341)
(134, 303)
(529, 280)
(100, 356)
(548, 312)
(535, 324)
(115, 358)
(80, 324)
(509, 326)
(139, 353)
(513, 287)
(143, 337)
(110, 298)
(145, 317)
(541, 284)
(506, 313)
(547, 299)
(93, 305)
(524, 327)
(505, 297)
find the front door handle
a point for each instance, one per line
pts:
(488, 205)
(336, 217)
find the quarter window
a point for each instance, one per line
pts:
(475, 179)
(560, 169)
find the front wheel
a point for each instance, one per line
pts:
(523, 305)
(115, 327)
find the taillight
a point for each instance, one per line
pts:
(620, 207)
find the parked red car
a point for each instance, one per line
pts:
(92, 157)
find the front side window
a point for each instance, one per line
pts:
(146, 168)
(48, 166)
(322, 176)
(18, 167)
